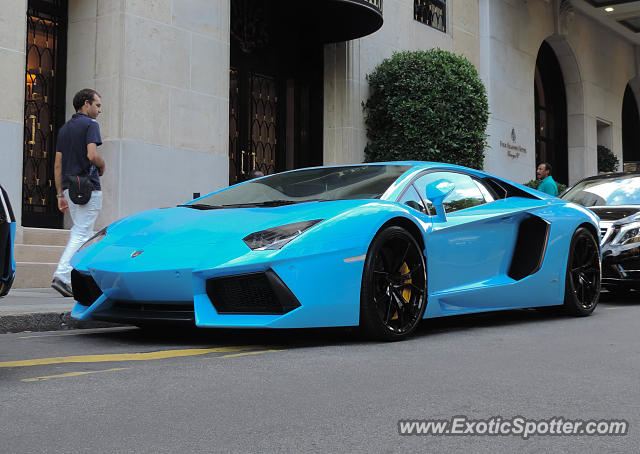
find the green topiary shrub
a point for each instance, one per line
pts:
(607, 161)
(428, 106)
(535, 183)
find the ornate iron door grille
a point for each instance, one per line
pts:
(262, 141)
(235, 164)
(431, 12)
(253, 125)
(43, 110)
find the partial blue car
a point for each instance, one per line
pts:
(380, 246)
(7, 241)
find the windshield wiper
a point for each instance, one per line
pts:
(200, 206)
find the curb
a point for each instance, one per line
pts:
(46, 321)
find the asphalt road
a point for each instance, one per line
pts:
(128, 390)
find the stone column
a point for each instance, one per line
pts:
(162, 68)
(13, 31)
(344, 89)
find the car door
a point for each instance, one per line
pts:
(472, 248)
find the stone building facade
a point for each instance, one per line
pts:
(197, 92)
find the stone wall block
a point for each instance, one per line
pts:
(210, 66)
(146, 112)
(81, 51)
(81, 10)
(464, 15)
(504, 21)
(575, 101)
(206, 17)
(199, 122)
(110, 183)
(111, 119)
(108, 49)
(329, 144)
(156, 52)
(576, 128)
(110, 7)
(158, 10)
(170, 177)
(466, 44)
(12, 85)
(13, 25)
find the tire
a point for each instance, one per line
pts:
(584, 271)
(394, 282)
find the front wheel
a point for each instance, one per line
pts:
(393, 294)
(584, 270)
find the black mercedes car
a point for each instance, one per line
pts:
(615, 198)
(7, 238)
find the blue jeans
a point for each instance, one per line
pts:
(84, 218)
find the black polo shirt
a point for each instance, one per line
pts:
(73, 139)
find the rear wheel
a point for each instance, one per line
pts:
(582, 284)
(393, 294)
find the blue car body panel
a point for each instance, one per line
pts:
(7, 241)
(468, 255)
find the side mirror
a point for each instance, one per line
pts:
(436, 193)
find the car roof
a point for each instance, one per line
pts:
(605, 176)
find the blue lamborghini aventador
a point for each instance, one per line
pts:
(7, 238)
(380, 245)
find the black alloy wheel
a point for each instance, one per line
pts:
(393, 295)
(584, 271)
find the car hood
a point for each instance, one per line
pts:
(180, 235)
(614, 213)
(182, 225)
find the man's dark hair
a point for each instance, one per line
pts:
(86, 94)
(547, 166)
(255, 174)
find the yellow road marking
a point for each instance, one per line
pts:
(72, 374)
(249, 353)
(163, 354)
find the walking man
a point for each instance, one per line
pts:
(77, 154)
(547, 185)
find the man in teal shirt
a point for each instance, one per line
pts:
(547, 185)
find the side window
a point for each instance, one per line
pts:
(413, 200)
(465, 195)
(486, 193)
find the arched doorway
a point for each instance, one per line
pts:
(275, 108)
(630, 127)
(276, 100)
(551, 114)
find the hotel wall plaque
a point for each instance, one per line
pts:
(512, 148)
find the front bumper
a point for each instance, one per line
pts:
(621, 266)
(263, 291)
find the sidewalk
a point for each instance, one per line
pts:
(39, 309)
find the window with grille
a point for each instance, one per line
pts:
(432, 13)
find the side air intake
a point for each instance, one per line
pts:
(531, 245)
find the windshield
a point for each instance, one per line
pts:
(621, 190)
(321, 184)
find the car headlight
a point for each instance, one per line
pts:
(277, 237)
(94, 239)
(628, 234)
